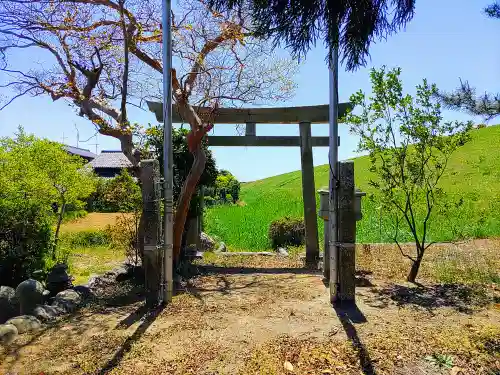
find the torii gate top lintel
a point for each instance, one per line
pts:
(314, 114)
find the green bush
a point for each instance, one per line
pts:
(287, 232)
(227, 186)
(119, 194)
(25, 241)
(209, 201)
(234, 190)
(87, 238)
(74, 214)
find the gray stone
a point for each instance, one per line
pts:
(59, 279)
(282, 251)
(67, 300)
(93, 281)
(83, 291)
(206, 243)
(119, 273)
(25, 323)
(8, 303)
(29, 293)
(47, 313)
(222, 248)
(8, 334)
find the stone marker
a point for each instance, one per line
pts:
(29, 293)
(347, 233)
(25, 323)
(207, 243)
(8, 334)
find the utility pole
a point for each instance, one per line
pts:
(168, 220)
(95, 144)
(333, 180)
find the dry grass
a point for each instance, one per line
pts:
(250, 324)
(93, 221)
(475, 261)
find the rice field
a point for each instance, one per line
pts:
(473, 174)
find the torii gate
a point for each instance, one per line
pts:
(327, 114)
(303, 116)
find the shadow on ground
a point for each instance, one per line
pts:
(147, 317)
(212, 270)
(349, 314)
(463, 298)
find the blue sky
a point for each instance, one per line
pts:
(446, 40)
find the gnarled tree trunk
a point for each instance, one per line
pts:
(185, 196)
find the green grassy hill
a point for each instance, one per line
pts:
(473, 173)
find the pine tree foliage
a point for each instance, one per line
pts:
(465, 97)
(350, 25)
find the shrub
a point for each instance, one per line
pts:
(287, 232)
(87, 238)
(209, 201)
(74, 213)
(25, 241)
(124, 236)
(119, 194)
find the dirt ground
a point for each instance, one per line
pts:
(274, 318)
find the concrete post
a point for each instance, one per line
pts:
(347, 232)
(150, 179)
(308, 194)
(323, 213)
(326, 250)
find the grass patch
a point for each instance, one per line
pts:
(86, 238)
(473, 174)
(88, 252)
(96, 260)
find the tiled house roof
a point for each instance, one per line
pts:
(84, 153)
(111, 159)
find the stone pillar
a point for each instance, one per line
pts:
(308, 195)
(347, 232)
(150, 179)
(192, 235)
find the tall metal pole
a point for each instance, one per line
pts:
(333, 160)
(167, 153)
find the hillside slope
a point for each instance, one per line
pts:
(473, 173)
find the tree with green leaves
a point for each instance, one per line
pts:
(34, 174)
(352, 26)
(409, 147)
(465, 97)
(105, 56)
(182, 161)
(48, 173)
(227, 183)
